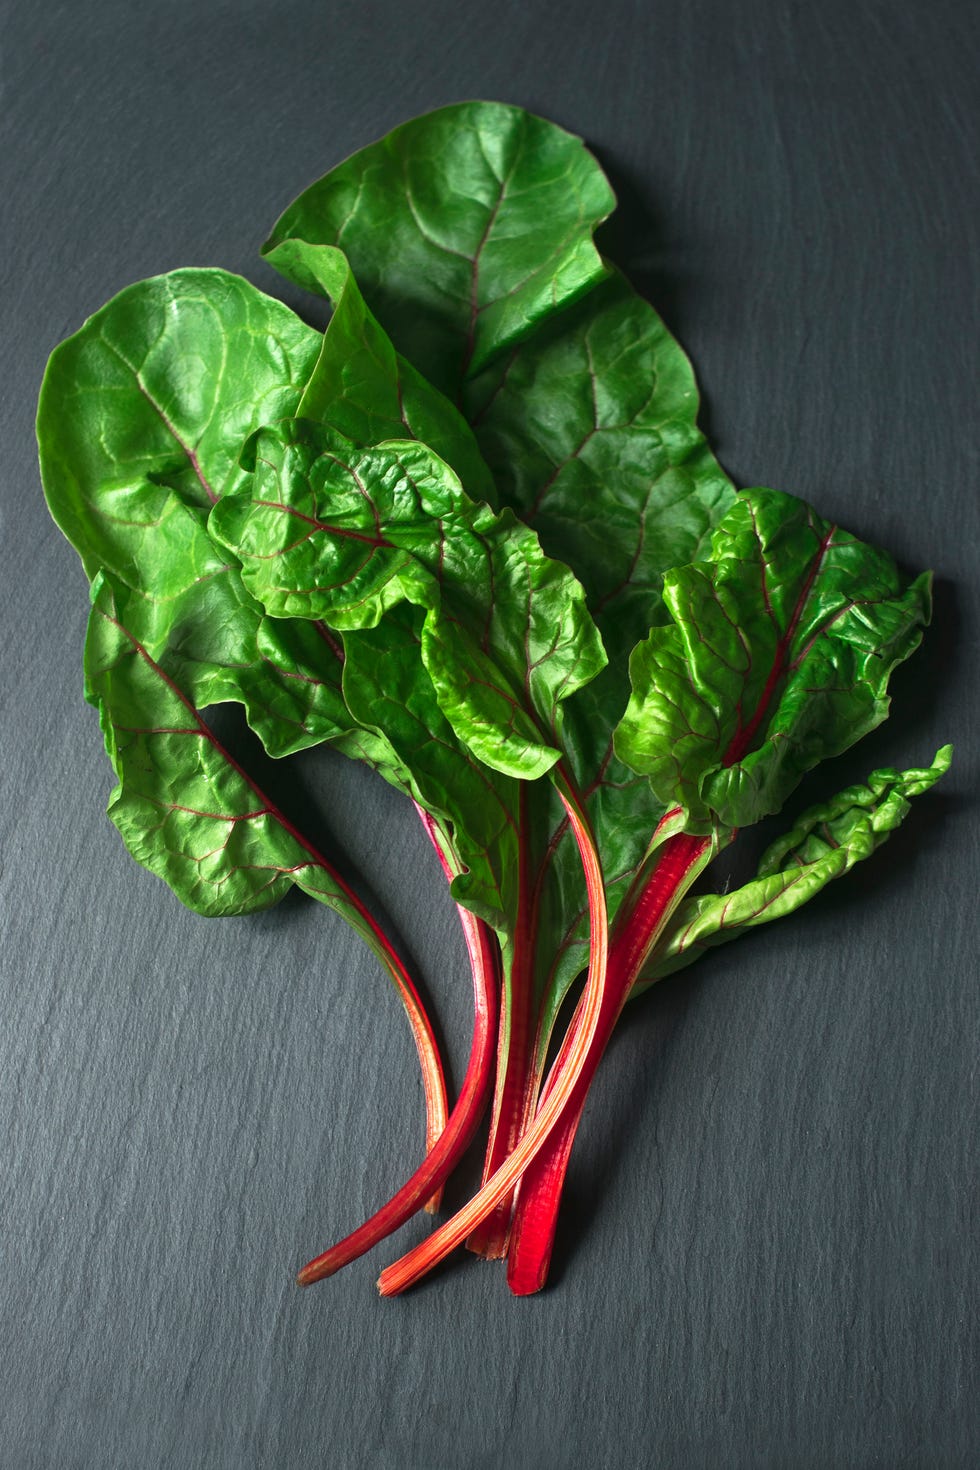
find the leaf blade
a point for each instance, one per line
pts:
(778, 656)
(474, 221)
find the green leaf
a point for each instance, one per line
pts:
(778, 656)
(189, 813)
(824, 844)
(389, 692)
(465, 227)
(590, 429)
(339, 534)
(185, 809)
(143, 412)
(141, 420)
(365, 390)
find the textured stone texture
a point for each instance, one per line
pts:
(766, 1258)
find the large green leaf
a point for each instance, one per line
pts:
(778, 656)
(824, 844)
(141, 419)
(590, 428)
(465, 227)
(189, 813)
(143, 412)
(330, 532)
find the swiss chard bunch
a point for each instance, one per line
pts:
(472, 535)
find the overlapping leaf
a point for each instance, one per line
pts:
(343, 535)
(189, 813)
(141, 420)
(778, 657)
(466, 226)
(361, 387)
(590, 428)
(144, 410)
(588, 422)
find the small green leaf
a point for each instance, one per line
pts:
(824, 844)
(361, 386)
(340, 534)
(778, 657)
(466, 226)
(388, 691)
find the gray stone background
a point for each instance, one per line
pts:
(768, 1256)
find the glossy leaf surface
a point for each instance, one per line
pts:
(185, 808)
(343, 535)
(465, 227)
(144, 410)
(189, 813)
(141, 420)
(590, 428)
(778, 657)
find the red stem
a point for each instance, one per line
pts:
(417, 1263)
(535, 1221)
(463, 1120)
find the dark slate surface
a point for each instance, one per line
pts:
(769, 1256)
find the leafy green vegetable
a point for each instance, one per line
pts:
(778, 657)
(309, 526)
(589, 424)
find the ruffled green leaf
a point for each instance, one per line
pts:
(824, 844)
(465, 226)
(339, 534)
(778, 657)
